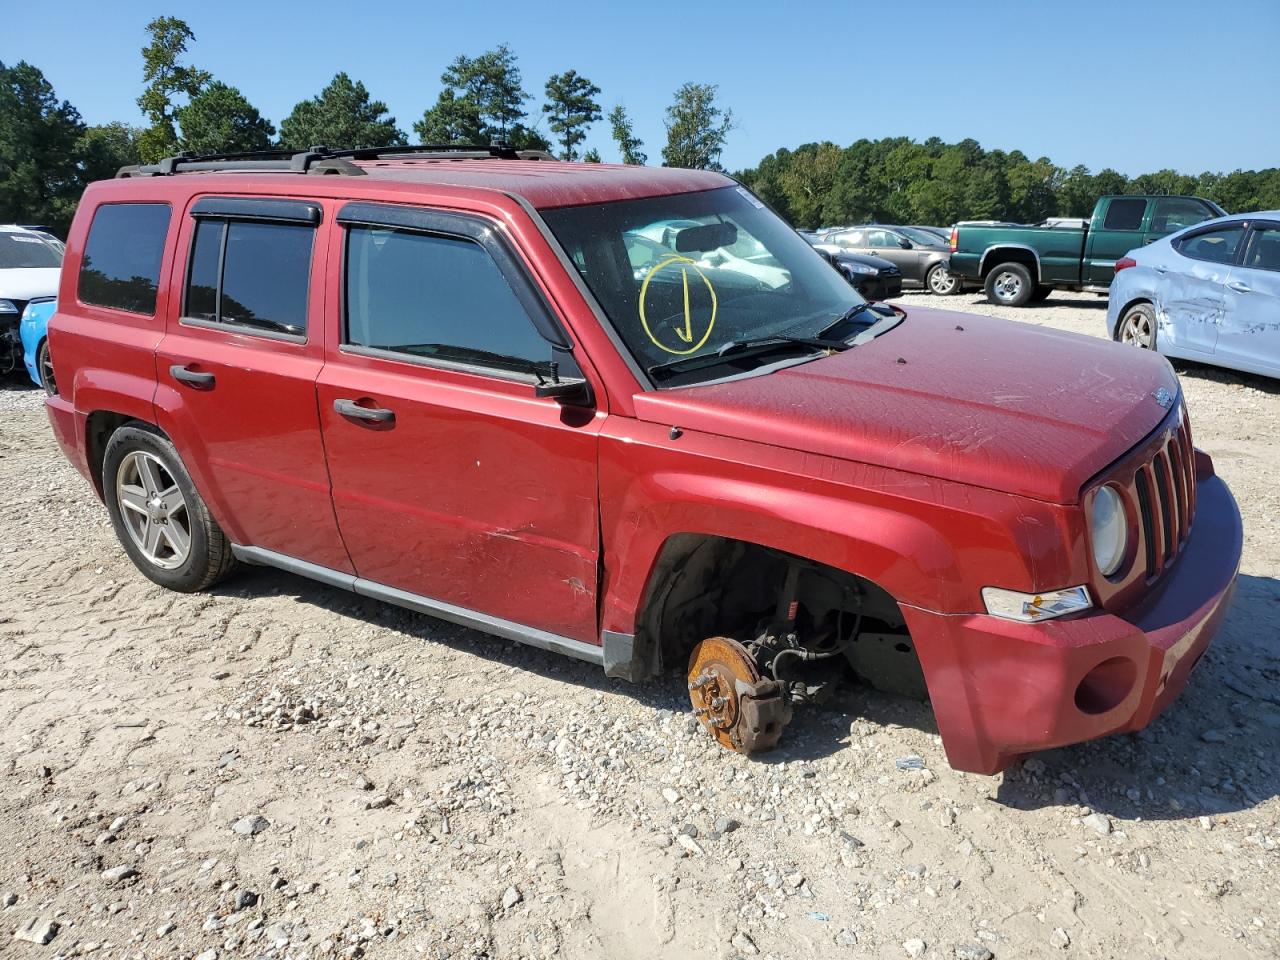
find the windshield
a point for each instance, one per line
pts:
(27, 250)
(694, 274)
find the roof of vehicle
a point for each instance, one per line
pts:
(535, 176)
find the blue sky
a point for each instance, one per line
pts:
(1133, 85)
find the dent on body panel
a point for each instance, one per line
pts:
(1181, 307)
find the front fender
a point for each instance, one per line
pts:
(927, 542)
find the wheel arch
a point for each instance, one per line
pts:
(999, 253)
(1128, 305)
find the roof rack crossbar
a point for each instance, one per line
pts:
(320, 159)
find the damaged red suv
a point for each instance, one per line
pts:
(629, 415)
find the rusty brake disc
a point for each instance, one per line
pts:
(744, 712)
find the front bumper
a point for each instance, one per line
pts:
(883, 287)
(1002, 689)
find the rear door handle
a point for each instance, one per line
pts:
(1239, 287)
(196, 379)
(349, 408)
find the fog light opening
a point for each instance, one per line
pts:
(1106, 685)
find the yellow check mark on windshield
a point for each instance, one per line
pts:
(687, 333)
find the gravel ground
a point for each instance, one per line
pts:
(281, 769)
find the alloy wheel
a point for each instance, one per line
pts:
(45, 363)
(942, 281)
(153, 509)
(1137, 330)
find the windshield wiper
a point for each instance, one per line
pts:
(849, 315)
(737, 349)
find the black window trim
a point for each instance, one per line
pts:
(467, 227)
(155, 311)
(215, 211)
(304, 212)
(1201, 229)
(1253, 228)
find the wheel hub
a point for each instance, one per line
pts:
(742, 711)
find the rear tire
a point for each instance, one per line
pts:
(1040, 293)
(159, 517)
(1137, 327)
(44, 366)
(941, 281)
(1009, 285)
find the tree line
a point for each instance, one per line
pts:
(897, 180)
(48, 154)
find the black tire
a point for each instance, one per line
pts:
(941, 282)
(1009, 285)
(208, 556)
(1040, 293)
(44, 366)
(1137, 326)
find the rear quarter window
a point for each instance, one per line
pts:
(121, 264)
(1125, 214)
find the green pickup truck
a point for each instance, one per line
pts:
(1019, 264)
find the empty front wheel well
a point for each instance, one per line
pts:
(705, 586)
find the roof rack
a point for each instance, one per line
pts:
(322, 160)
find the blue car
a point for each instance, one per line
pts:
(1209, 293)
(33, 328)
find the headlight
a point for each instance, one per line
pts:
(1034, 607)
(1108, 529)
(7, 306)
(861, 270)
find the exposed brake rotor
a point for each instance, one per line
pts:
(744, 712)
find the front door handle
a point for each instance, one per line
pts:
(1239, 287)
(196, 379)
(349, 408)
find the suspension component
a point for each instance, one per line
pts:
(743, 711)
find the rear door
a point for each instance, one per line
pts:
(1249, 336)
(452, 481)
(1191, 294)
(237, 370)
(1119, 231)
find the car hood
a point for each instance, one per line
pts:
(23, 283)
(991, 403)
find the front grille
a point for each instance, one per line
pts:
(1164, 487)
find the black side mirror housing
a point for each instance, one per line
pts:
(572, 392)
(904, 243)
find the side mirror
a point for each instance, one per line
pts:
(572, 392)
(904, 243)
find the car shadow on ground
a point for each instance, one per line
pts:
(1203, 371)
(1214, 751)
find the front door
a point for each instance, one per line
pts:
(888, 246)
(237, 370)
(452, 481)
(1119, 232)
(1250, 333)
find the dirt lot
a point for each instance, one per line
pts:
(282, 769)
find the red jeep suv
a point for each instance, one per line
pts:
(629, 415)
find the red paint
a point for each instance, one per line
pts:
(960, 468)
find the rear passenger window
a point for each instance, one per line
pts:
(121, 263)
(439, 297)
(1125, 214)
(1264, 249)
(1216, 246)
(250, 273)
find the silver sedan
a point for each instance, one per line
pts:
(1209, 293)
